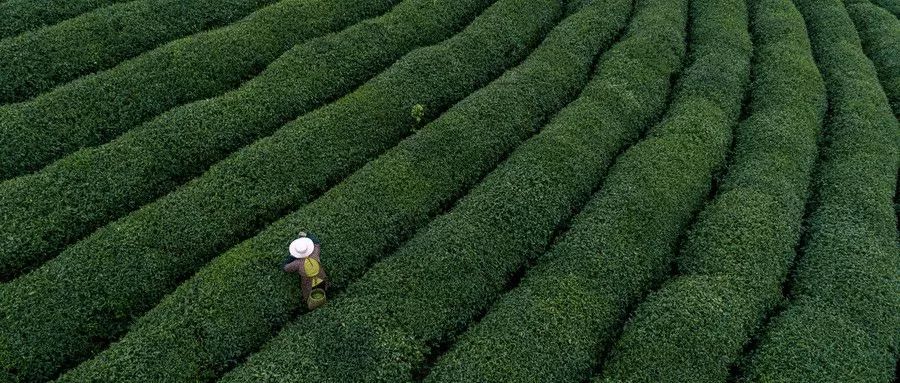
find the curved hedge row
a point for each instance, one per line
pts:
(738, 253)
(892, 6)
(412, 302)
(17, 16)
(66, 318)
(569, 306)
(842, 320)
(37, 61)
(46, 211)
(373, 210)
(879, 32)
(98, 107)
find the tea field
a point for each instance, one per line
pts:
(504, 190)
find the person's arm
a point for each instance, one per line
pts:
(293, 266)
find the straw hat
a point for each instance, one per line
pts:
(302, 247)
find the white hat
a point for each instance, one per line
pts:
(301, 247)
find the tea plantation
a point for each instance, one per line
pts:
(500, 190)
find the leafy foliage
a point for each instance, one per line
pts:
(407, 305)
(98, 107)
(506, 190)
(35, 62)
(64, 202)
(879, 32)
(17, 16)
(367, 214)
(737, 255)
(844, 312)
(568, 307)
(170, 239)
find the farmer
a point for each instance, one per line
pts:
(304, 259)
